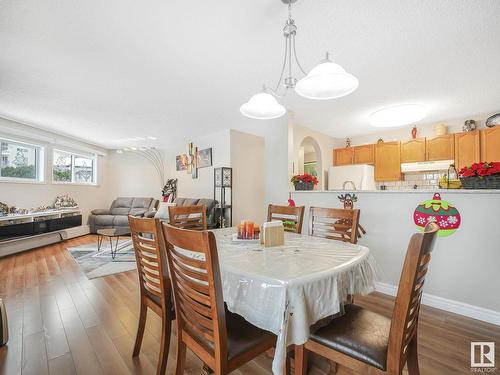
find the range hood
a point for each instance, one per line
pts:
(424, 166)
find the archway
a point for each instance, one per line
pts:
(310, 160)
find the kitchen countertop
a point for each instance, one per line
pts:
(410, 191)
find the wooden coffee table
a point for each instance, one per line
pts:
(112, 233)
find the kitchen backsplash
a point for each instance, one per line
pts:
(422, 181)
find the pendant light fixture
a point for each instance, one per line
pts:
(327, 80)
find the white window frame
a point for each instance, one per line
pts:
(39, 162)
(73, 153)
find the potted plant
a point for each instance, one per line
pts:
(481, 176)
(304, 181)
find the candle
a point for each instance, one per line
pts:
(249, 230)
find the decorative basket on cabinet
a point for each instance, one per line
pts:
(481, 176)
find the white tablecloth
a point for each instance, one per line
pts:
(287, 289)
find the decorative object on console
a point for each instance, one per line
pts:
(169, 191)
(414, 131)
(481, 176)
(304, 181)
(469, 126)
(440, 129)
(4, 209)
(441, 212)
(223, 193)
(65, 201)
(493, 121)
(326, 81)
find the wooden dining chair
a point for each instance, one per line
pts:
(370, 343)
(286, 214)
(334, 223)
(154, 284)
(222, 340)
(188, 217)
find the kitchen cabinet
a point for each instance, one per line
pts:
(343, 156)
(490, 144)
(467, 150)
(388, 161)
(440, 148)
(364, 154)
(413, 150)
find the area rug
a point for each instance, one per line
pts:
(99, 263)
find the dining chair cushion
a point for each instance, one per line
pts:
(360, 334)
(242, 336)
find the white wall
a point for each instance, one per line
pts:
(277, 166)
(325, 143)
(248, 163)
(31, 195)
(130, 175)
(464, 266)
(203, 186)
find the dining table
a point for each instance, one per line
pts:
(286, 289)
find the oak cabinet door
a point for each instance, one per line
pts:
(467, 150)
(364, 154)
(413, 150)
(490, 144)
(388, 161)
(440, 148)
(343, 156)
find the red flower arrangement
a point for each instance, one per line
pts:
(305, 178)
(480, 169)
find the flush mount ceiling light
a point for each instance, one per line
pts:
(398, 115)
(326, 81)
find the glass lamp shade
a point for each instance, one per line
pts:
(398, 115)
(262, 106)
(326, 81)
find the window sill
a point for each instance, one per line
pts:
(16, 181)
(74, 184)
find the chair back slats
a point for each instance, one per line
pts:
(188, 217)
(194, 269)
(287, 214)
(334, 223)
(404, 322)
(151, 266)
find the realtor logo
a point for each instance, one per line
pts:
(482, 354)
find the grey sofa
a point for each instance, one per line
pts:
(117, 215)
(210, 205)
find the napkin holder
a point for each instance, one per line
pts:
(272, 234)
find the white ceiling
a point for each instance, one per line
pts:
(108, 70)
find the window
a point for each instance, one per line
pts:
(20, 161)
(68, 167)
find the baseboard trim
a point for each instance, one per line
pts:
(471, 311)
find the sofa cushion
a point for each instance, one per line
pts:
(190, 202)
(104, 220)
(122, 211)
(179, 201)
(122, 202)
(141, 203)
(138, 211)
(120, 221)
(208, 203)
(100, 211)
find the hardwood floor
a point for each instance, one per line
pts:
(62, 323)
